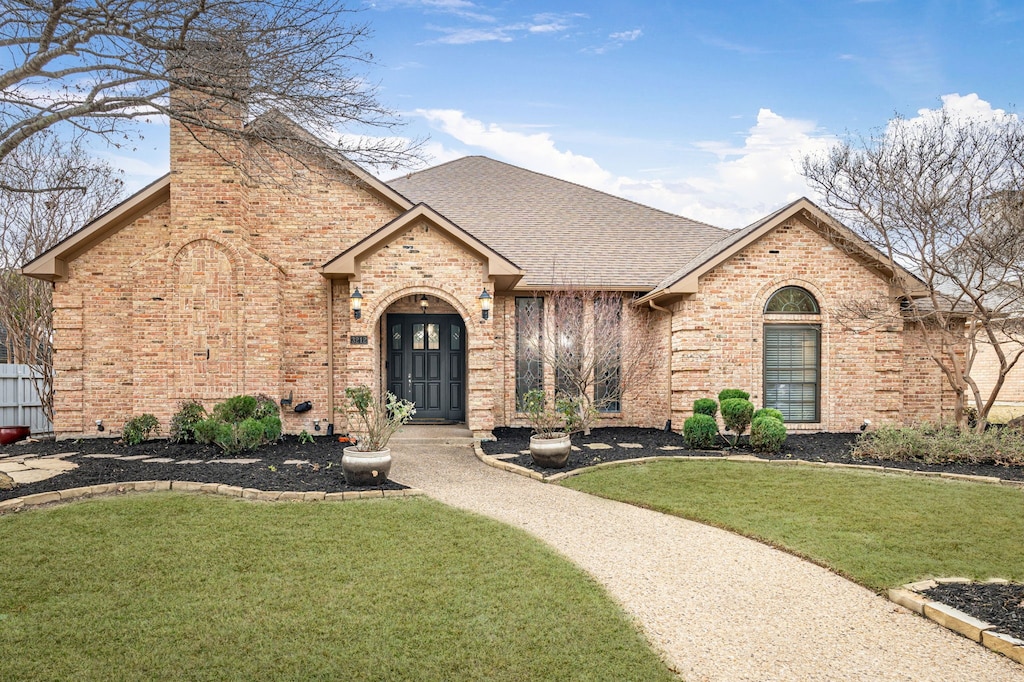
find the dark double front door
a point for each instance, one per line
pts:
(426, 364)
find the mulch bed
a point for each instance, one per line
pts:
(998, 605)
(323, 471)
(812, 447)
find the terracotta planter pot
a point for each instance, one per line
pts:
(550, 453)
(366, 468)
(12, 434)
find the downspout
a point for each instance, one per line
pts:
(330, 357)
(668, 385)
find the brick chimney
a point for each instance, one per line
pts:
(209, 81)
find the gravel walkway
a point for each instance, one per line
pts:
(720, 606)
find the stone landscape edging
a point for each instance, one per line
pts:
(496, 462)
(105, 489)
(909, 596)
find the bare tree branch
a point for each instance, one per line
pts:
(941, 196)
(48, 189)
(101, 66)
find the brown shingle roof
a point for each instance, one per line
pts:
(559, 232)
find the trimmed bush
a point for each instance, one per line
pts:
(705, 406)
(700, 431)
(185, 420)
(271, 427)
(140, 428)
(236, 409)
(234, 426)
(771, 412)
(737, 413)
(767, 434)
(728, 393)
(265, 407)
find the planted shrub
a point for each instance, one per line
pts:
(700, 431)
(140, 428)
(767, 434)
(728, 393)
(939, 445)
(265, 407)
(737, 413)
(235, 409)
(240, 423)
(770, 411)
(185, 420)
(705, 406)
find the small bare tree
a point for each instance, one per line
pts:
(101, 66)
(942, 197)
(60, 189)
(597, 347)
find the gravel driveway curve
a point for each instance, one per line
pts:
(719, 606)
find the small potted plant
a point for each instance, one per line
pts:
(549, 444)
(369, 461)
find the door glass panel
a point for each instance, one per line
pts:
(396, 337)
(433, 336)
(456, 342)
(417, 336)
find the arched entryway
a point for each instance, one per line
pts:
(424, 357)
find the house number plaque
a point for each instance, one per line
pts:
(359, 340)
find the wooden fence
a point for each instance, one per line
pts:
(19, 401)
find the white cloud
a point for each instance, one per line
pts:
(744, 183)
(547, 23)
(615, 41)
(739, 183)
(963, 106)
(467, 36)
(627, 36)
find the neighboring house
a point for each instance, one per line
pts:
(207, 284)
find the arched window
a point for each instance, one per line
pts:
(790, 300)
(792, 356)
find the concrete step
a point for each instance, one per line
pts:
(450, 434)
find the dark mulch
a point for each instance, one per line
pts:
(323, 471)
(998, 605)
(813, 447)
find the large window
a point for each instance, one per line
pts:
(583, 349)
(608, 354)
(529, 337)
(792, 357)
(570, 328)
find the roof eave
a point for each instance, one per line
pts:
(504, 273)
(52, 265)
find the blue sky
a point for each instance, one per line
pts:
(700, 108)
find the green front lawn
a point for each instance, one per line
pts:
(169, 586)
(879, 530)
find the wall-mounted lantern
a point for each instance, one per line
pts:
(356, 299)
(485, 304)
(424, 303)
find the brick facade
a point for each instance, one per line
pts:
(219, 290)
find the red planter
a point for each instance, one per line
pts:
(12, 434)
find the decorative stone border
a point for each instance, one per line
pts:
(910, 597)
(494, 461)
(39, 499)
